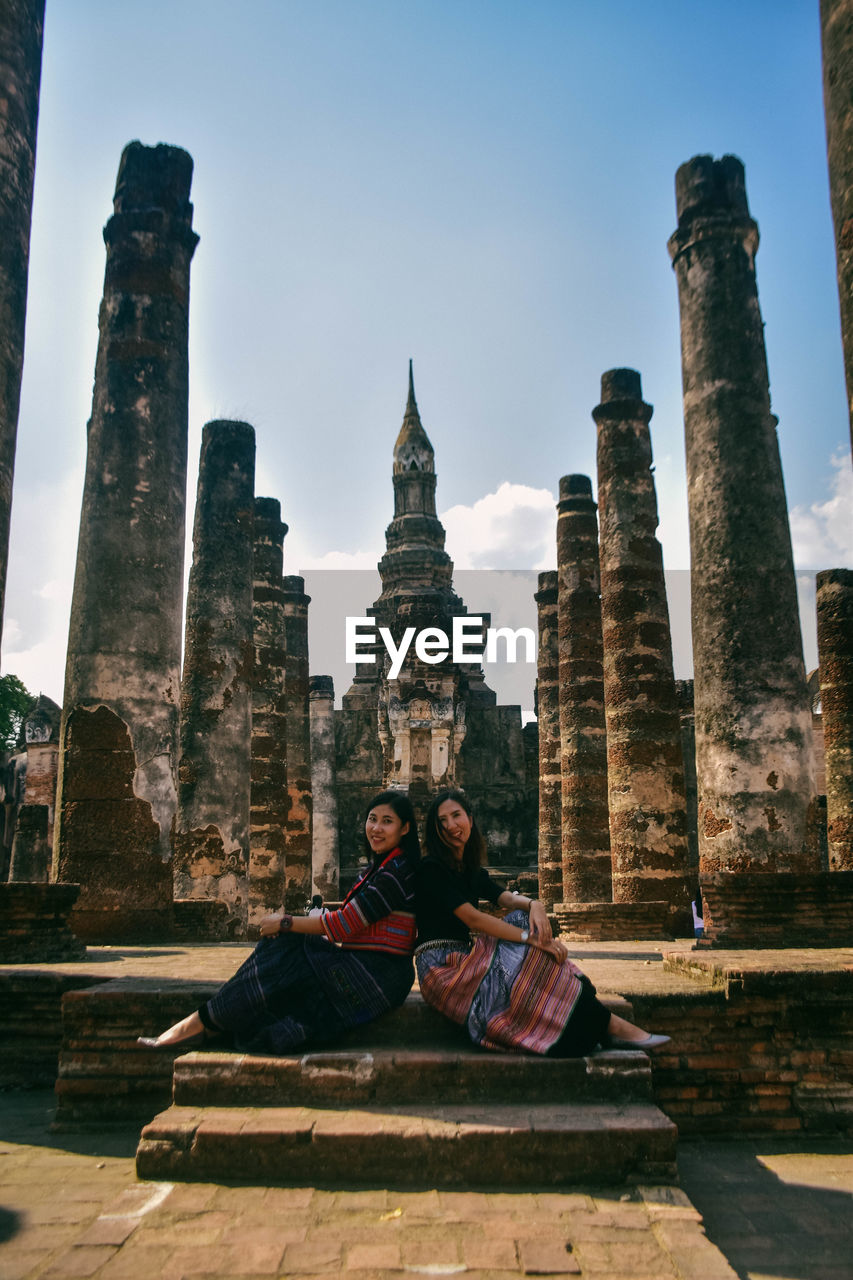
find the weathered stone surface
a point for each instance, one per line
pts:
(548, 716)
(614, 921)
(836, 18)
(211, 842)
(645, 762)
(124, 640)
(34, 925)
(791, 910)
(325, 855)
(268, 793)
(583, 739)
(33, 797)
(21, 30)
(298, 827)
(754, 758)
(835, 647)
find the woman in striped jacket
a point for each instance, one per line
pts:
(515, 987)
(311, 978)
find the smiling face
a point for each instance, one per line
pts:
(454, 825)
(384, 830)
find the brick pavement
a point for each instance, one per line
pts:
(70, 1206)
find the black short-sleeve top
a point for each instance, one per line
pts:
(439, 890)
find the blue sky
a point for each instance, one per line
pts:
(485, 187)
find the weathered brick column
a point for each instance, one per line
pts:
(119, 736)
(645, 763)
(268, 797)
(325, 857)
(212, 829)
(32, 846)
(583, 739)
(298, 828)
(21, 29)
(835, 649)
(836, 20)
(548, 716)
(754, 758)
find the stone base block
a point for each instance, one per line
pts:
(769, 910)
(616, 921)
(204, 920)
(34, 926)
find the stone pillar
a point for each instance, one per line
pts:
(212, 829)
(645, 763)
(835, 648)
(583, 742)
(325, 857)
(32, 845)
(298, 829)
(268, 797)
(755, 764)
(836, 17)
(548, 715)
(119, 735)
(21, 29)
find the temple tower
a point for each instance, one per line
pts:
(836, 20)
(268, 794)
(548, 716)
(835, 647)
(325, 856)
(119, 735)
(21, 30)
(212, 828)
(754, 758)
(586, 875)
(645, 764)
(298, 837)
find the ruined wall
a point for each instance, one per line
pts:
(325, 852)
(298, 828)
(118, 743)
(837, 36)
(548, 715)
(835, 646)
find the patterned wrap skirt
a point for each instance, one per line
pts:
(507, 995)
(300, 989)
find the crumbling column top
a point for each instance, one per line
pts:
(622, 396)
(320, 687)
(710, 199)
(156, 177)
(575, 487)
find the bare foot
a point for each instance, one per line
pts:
(183, 1030)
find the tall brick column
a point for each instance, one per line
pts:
(268, 797)
(836, 20)
(325, 856)
(645, 763)
(119, 735)
(548, 716)
(583, 739)
(298, 829)
(212, 829)
(835, 649)
(21, 29)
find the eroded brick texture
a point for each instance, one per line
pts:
(583, 740)
(268, 794)
(548, 715)
(835, 649)
(325, 856)
(298, 827)
(212, 830)
(645, 763)
(757, 798)
(21, 30)
(837, 34)
(124, 642)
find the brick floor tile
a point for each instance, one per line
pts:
(354, 1201)
(80, 1260)
(272, 1233)
(546, 1258)
(190, 1197)
(490, 1255)
(565, 1202)
(134, 1262)
(19, 1263)
(108, 1231)
(425, 1204)
(312, 1257)
(373, 1257)
(429, 1252)
(63, 1211)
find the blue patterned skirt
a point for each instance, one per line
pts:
(298, 989)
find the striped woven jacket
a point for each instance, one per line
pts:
(378, 912)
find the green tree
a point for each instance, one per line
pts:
(15, 701)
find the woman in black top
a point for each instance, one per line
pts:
(515, 987)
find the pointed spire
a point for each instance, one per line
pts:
(413, 446)
(411, 403)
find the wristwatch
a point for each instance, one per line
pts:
(525, 934)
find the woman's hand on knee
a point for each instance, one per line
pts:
(270, 926)
(540, 925)
(553, 947)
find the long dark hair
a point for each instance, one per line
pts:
(475, 850)
(402, 806)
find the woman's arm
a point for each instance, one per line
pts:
(271, 925)
(474, 919)
(540, 925)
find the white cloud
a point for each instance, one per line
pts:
(513, 528)
(339, 560)
(822, 534)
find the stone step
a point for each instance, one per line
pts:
(409, 1076)
(454, 1145)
